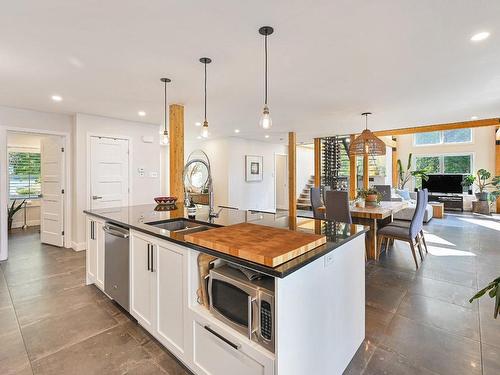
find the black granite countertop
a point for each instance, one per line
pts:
(137, 217)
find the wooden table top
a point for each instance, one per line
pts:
(385, 209)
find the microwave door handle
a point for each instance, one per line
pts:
(251, 330)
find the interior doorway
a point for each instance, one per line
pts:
(36, 185)
(281, 181)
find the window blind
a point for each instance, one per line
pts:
(24, 175)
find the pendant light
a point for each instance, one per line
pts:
(164, 135)
(367, 142)
(265, 120)
(204, 128)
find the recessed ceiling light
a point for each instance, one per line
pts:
(267, 136)
(197, 124)
(141, 113)
(56, 98)
(236, 131)
(474, 118)
(480, 36)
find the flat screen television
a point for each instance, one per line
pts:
(444, 183)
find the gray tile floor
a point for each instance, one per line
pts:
(416, 322)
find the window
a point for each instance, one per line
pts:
(457, 164)
(24, 175)
(443, 137)
(454, 164)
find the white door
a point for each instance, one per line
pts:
(52, 185)
(281, 173)
(109, 185)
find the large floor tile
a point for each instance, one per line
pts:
(361, 359)
(452, 318)
(390, 363)
(8, 321)
(437, 350)
(443, 291)
(384, 298)
(491, 360)
(454, 276)
(390, 278)
(165, 359)
(13, 357)
(376, 322)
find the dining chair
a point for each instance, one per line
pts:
(337, 206)
(385, 191)
(408, 234)
(316, 202)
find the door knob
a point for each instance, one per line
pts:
(96, 197)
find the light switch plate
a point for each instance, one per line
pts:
(329, 259)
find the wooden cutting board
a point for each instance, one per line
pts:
(257, 243)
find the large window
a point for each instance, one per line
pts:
(454, 164)
(443, 137)
(24, 175)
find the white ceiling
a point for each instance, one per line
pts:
(409, 62)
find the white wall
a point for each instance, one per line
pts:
(143, 155)
(482, 148)
(305, 167)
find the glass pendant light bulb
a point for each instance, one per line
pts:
(164, 138)
(204, 129)
(265, 120)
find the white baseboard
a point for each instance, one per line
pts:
(78, 246)
(30, 223)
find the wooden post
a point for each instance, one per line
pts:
(353, 173)
(497, 160)
(176, 134)
(317, 162)
(292, 175)
(366, 171)
(395, 176)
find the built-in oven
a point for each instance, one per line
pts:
(246, 305)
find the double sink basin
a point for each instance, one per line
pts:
(178, 228)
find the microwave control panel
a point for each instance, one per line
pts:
(266, 320)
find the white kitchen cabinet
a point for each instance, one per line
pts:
(141, 281)
(99, 282)
(95, 253)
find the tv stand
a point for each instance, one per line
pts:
(451, 201)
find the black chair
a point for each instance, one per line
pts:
(337, 206)
(385, 191)
(316, 202)
(408, 234)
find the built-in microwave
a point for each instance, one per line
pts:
(247, 306)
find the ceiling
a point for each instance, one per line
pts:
(408, 62)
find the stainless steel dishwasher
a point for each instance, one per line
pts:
(116, 264)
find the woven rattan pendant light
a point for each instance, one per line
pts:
(367, 142)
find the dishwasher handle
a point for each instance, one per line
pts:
(115, 231)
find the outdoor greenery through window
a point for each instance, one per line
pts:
(453, 164)
(24, 175)
(443, 137)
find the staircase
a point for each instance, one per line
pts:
(304, 200)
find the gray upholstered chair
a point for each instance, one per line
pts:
(316, 202)
(337, 206)
(408, 234)
(385, 191)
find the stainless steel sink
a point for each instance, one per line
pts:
(177, 225)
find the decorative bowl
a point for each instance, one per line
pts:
(165, 200)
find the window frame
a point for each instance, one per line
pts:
(441, 139)
(28, 150)
(441, 160)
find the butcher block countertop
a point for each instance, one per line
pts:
(137, 218)
(261, 244)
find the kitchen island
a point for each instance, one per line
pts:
(318, 303)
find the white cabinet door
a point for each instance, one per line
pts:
(99, 282)
(141, 282)
(170, 287)
(91, 252)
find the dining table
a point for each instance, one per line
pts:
(373, 217)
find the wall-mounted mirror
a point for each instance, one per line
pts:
(197, 179)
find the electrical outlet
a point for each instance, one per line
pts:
(140, 171)
(329, 258)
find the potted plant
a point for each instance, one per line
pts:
(12, 211)
(488, 190)
(493, 290)
(371, 196)
(468, 182)
(406, 174)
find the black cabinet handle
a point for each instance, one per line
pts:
(152, 258)
(92, 230)
(235, 346)
(149, 268)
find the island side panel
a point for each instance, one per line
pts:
(320, 313)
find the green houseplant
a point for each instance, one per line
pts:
(493, 290)
(371, 196)
(488, 189)
(468, 182)
(406, 174)
(12, 211)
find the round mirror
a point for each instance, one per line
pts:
(196, 177)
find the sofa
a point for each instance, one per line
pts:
(407, 212)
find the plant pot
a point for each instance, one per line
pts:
(470, 191)
(482, 196)
(371, 200)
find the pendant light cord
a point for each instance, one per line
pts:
(165, 106)
(205, 91)
(366, 121)
(265, 69)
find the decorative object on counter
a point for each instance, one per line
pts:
(205, 263)
(468, 182)
(204, 128)
(165, 201)
(493, 290)
(245, 241)
(13, 209)
(164, 133)
(371, 197)
(265, 120)
(405, 175)
(191, 210)
(253, 170)
(489, 190)
(367, 142)
(165, 207)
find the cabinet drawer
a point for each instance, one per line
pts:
(216, 354)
